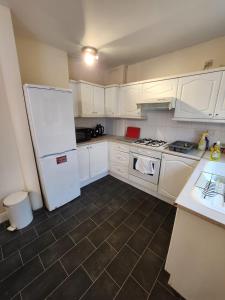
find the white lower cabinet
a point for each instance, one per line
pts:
(93, 162)
(174, 173)
(119, 159)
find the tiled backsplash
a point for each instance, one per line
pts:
(159, 124)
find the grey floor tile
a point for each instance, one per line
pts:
(131, 205)
(132, 291)
(49, 224)
(169, 221)
(6, 236)
(160, 243)
(117, 218)
(64, 227)
(135, 219)
(103, 289)
(73, 287)
(153, 221)
(120, 236)
(147, 270)
(74, 207)
(9, 265)
(74, 257)
(37, 246)
(147, 206)
(20, 278)
(98, 260)
(100, 233)
(18, 242)
(56, 250)
(160, 293)
(162, 208)
(86, 212)
(42, 286)
(122, 265)
(140, 240)
(82, 230)
(102, 215)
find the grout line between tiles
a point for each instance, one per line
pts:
(140, 259)
(138, 283)
(63, 267)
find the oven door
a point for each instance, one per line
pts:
(153, 178)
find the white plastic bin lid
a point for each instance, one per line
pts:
(14, 198)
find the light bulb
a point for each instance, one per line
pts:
(89, 58)
(90, 55)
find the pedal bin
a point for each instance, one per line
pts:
(19, 210)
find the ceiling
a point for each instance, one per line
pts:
(124, 31)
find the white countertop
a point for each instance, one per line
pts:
(186, 199)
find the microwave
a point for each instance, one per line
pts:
(83, 134)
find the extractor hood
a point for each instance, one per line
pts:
(166, 103)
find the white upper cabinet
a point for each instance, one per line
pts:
(129, 96)
(98, 101)
(111, 101)
(76, 103)
(197, 96)
(91, 99)
(220, 105)
(159, 89)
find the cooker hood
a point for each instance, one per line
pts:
(165, 103)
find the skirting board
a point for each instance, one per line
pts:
(90, 180)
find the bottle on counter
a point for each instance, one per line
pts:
(215, 151)
(204, 141)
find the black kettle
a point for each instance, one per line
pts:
(99, 129)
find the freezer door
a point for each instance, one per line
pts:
(59, 178)
(50, 113)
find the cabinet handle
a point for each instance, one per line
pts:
(210, 115)
(217, 114)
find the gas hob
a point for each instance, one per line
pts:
(150, 142)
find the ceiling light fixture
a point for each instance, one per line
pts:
(90, 55)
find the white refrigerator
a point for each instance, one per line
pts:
(50, 114)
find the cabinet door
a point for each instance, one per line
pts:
(86, 97)
(84, 163)
(220, 105)
(158, 89)
(129, 97)
(174, 173)
(111, 101)
(98, 101)
(98, 158)
(76, 100)
(197, 95)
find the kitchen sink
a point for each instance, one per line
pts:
(209, 188)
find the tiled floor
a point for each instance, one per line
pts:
(111, 243)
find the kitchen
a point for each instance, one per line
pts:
(100, 182)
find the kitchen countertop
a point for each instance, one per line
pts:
(193, 154)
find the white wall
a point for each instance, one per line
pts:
(160, 125)
(11, 177)
(41, 63)
(78, 70)
(182, 61)
(17, 142)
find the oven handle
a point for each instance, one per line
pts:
(136, 155)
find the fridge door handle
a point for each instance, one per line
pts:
(58, 153)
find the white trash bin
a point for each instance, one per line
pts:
(19, 210)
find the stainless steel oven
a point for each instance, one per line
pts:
(155, 158)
